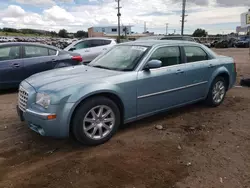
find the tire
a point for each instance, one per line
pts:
(211, 100)
(84, 125)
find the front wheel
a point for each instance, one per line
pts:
(96, 121)
(217, 92)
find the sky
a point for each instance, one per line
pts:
(215, 16)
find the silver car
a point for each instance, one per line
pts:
(90, 48)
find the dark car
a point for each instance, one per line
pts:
(21, 60)
(243, 42)
(168, 37)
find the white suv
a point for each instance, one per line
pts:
(90, 48)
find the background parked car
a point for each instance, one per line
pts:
(21, 60)
(226, 43)
(168, 37)
(90, 48)
(243, 42)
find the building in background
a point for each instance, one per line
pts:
(245, 23)
(109, 30)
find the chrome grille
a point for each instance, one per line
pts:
(22, 99)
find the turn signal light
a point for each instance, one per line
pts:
(52, 116)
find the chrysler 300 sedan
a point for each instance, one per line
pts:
(128, 82)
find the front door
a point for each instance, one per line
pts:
(162, 88)
(11, 66)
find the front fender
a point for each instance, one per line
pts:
(90, 90)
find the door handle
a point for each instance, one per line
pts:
(15, 65)
(86, 50)
(210, 65)
(104, 49)
(53, 60)
(179, 71)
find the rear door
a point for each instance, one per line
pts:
(11, 66)
(98, 46)
(37, 59)
(198, 71)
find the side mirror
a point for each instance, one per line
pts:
(153, 64)
(72, 49)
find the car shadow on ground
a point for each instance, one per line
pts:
(8, 91)
(154, 119)
(71, 143)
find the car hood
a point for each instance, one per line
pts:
(58, 79)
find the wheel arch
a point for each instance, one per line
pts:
(110, 95)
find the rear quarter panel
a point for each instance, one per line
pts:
(224, 65)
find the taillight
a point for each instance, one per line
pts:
(77, 58)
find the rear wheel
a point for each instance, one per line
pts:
(96, 121)
(217, 92)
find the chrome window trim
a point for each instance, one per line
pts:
(170, 90)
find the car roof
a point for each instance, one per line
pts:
(157, 42)
(163, 36)
(97, 38)
(5, 44)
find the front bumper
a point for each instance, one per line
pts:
(38, 121)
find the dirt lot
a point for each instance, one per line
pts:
(198, 147)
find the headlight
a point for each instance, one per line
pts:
(43, 99)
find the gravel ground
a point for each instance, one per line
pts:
(197, 147)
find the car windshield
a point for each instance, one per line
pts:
(121, 58)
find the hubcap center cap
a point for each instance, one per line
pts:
(99, 124)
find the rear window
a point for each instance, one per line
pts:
(35, 51)
(52, 52)
(172, 38)
(106, 42)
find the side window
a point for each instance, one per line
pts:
(35, 51)
(167, 55)
(83, 44)
(52, 52)
(106, 42)
(96, 42)
(194, 54)
(9, 53)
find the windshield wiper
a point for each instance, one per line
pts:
(102, 67)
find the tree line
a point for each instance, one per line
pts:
(63, 33)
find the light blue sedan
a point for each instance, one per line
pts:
(128, 82)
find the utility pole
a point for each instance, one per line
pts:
(118, 15)
(145, 27)
(183, 16)
(166, 28)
